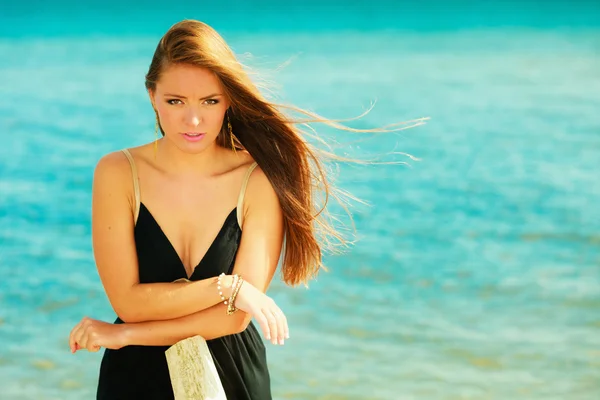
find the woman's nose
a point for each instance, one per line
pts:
(193, 117)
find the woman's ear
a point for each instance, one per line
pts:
(152, 101)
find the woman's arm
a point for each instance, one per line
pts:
(116, 258)
(256, 262)
(91, 334)
(210, 324)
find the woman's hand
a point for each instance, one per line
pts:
(269, 316)
(91, 334)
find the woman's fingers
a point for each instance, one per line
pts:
(273, 322)
(72, 339)
(91, 344)
(75, 332)
(272, 325)
(286, 330)
(264, 324)
(265, 311)
(281, 324)
(89, 338)
(81, 337)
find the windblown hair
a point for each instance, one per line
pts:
(293, 166)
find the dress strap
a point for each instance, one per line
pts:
(136, 182)
(240, 203)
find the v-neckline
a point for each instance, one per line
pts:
(174, 251)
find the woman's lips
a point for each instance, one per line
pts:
(193, 136)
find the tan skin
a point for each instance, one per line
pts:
(190, 188)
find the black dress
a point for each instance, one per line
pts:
(141, 372)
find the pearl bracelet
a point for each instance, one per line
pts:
(219, 279)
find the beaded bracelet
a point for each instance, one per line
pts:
(223, 299)
(231, 307)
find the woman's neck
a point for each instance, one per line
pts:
(175, 161)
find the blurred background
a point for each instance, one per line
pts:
(477, 270)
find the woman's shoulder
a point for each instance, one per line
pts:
(115, 168)
(111, 163)
(258, 184)
(242, 163)
(236, 162)
(118, 160)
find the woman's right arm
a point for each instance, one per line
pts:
(116, 258)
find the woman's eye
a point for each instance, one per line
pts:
(177, 101)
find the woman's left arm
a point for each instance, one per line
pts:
(256, 262)
(210, 324)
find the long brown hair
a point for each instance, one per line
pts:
(276, 142)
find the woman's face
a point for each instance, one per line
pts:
(191, 106)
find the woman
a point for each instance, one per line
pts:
(230, 177)
(214, 195)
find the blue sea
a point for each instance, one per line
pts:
(476, 271)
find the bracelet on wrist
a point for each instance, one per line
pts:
(220, 288)
(236, 289)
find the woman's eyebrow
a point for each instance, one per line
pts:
(183, 97)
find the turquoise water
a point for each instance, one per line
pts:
(477, 270)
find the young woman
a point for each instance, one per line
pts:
(213, 198)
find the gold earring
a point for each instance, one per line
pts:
(230, 133)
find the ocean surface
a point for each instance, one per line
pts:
(476, 274)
